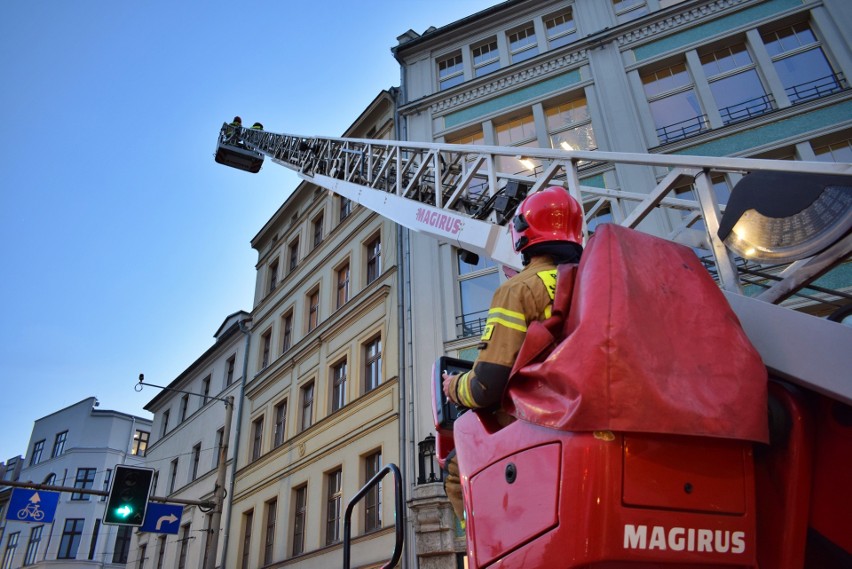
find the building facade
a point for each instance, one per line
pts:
(79, 447)
(189, 430)
(322, 399)
(749, 78)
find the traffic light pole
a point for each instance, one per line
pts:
(214, 530)
(89, 491)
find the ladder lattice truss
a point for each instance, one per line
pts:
(458, 193)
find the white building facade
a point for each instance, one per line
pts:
(750, 78)
(79, 447)
(188, 433)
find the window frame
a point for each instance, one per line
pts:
(338, 384)
(300, 514)
(69, 543)
(449, 69)
(279, 434)
(256, 450)
(84, 482)
(59, 442)
(526, 40)
(306, 405)
(372, 368)
(373, 257)
(334, 502)
(485, 66)
(38, 450)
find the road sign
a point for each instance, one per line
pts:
(162, 518)
(27, 505)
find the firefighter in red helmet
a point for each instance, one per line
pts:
(548, 231)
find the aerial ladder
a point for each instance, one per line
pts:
(459, 195)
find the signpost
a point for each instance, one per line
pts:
(32, 505)
(162, 518)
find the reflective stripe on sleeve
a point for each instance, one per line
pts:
(507, 318)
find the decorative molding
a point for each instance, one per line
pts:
(510, 82)
(678, 20)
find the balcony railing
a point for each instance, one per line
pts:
(471, 324)
(747, 109)
(816, 89)
(683, 129)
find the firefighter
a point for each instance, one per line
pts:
(257, 126)
(547, 230)
(235, 125)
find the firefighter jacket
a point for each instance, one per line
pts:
(524, 298)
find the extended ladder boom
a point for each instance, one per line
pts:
(460, 194)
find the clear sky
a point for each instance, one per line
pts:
(123, 245)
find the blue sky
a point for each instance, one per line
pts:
(123, 244)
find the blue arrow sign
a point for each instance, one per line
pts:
(162, 518)
(27, 505)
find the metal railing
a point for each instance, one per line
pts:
(683, 129)
(747, 109)
(399, 528)
(816, 89)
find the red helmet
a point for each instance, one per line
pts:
(548, 215)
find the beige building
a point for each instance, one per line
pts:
(322, 400)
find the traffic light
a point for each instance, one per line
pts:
(128, 496)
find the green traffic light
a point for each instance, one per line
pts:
(124, 511)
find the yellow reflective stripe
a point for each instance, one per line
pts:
(548, 311)
(507, 323)
(549, 280)
(507, 313)
(463, 391)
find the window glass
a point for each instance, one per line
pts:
(569, 126)
(626, 10)
(561, 29)
(450, 71)
(835, 152)
(673, 103)
(805, 72)
(486, 58)
(522, 44)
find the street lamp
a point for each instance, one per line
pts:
(426, 455)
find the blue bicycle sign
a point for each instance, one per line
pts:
(32, 505)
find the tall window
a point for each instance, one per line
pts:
(307, 397)
(107, 478)
(800, 62)
(184, 545)
(11, 547)
(373, 499)
(477, 284)
(372, 364)
(229, 370)
(143, 555)
(265, 346)
(342, 285)
(286, 331)
(300, 511)
(522, 43)
(280, 423)
(569, 125)
(72, 532)
(478, 186)
(272, 276)
(334, 499)
(294, 255)
(269, 534)
(173, 470)
(85, 480)
(626, 10)
(217, 450)
(318, 230)
(374, 259)
(38, 449)
(248, 519)
(450, 71)
(59, 444)
(486, 57)
(196, 458)
(205, 390)
(161, 551)
(184, 407)
(121, 549)
(338, 386)
(165, 430)
(735, 85)
(345, 206)
(140, 442)
(32, 545)
(519, 131)
(257, 438)
(674, 105)
(313, 310)
(560, 29)
(835, 152)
